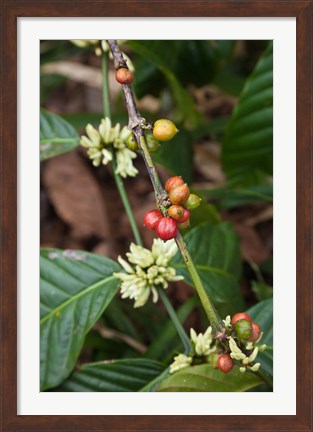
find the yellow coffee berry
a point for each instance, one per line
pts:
(164, 130)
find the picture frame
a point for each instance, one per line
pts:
(11, 11)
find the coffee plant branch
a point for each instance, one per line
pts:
(137, 124)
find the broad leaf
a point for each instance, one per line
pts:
(56, 136)
(177, 155)
(75, 288)
(215, 251)
(227, 197)
(127, 375)
(205, 378)
(262, 313)
(248, 144)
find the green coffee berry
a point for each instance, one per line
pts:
(131, 143)
(152, 143)
(243, 329)
(192, 202)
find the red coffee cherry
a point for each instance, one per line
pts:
(173, 182)
(164, 130)
(151, 219)
(239, 316)
(256, 331)
(176, 212)
(179, 194)
(167, 228)
(185, 216)
(124, 76)
(225, 363)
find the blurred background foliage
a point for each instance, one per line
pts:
(220, 95)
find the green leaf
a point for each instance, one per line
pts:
(205, 378)
(177, 155)
(262, 313)
(75, 288)
(56, 136)
(127, 375)
(262, 290)
(238, 197)
(216, 254)
(248, 142)
(204, 213)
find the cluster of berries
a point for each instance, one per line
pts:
(177, 214)
(245, 330)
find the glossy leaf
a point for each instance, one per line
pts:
(75, 288)
(56, 136)
(248, 142)
(262, 313)
(216, 254)
(205, 378)
(127, 375)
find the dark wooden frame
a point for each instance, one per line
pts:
(11, 10)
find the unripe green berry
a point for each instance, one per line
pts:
(164, 130)
(192, 202)
(152, 143)
(131, 143)
(184, 225)
(213, 359)
(243, 329)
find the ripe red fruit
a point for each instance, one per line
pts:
(124, 76)
(239, 316)
(151, 219)
(225, 363)
(256, 331)
(167, 228)
(179, 194)
(173, 182)
(185, 216)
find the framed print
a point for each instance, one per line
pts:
(163, 225)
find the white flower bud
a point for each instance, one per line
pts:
(255, 367)
(181, 361)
